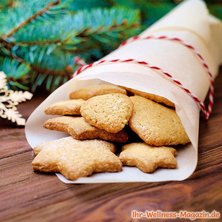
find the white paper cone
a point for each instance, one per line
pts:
(191, 23)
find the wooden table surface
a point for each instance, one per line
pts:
(28, 196)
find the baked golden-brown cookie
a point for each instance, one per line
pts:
(96, 90)
(148, 158)
(75, 159)
(155, 124)
(68, 107)
(153, 97)
(79, 129)
(109, 112)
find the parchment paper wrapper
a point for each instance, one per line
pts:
(190, 22)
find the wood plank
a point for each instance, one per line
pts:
(33, 190)
(111, 201)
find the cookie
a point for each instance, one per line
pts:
(109, 112)
(156, 98)
(68, 107)
(59, 123)
(75, 159)
(70, 140)
(96, 90)
(148, 158)
(155, 124)
(79, 129)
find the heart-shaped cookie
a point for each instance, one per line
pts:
(110, 112)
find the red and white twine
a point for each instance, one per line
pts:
(206, 110)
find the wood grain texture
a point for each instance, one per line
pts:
(28, 196)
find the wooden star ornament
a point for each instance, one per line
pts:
(9, 100)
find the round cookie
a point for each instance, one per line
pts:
(110, 112)
(96, 90)
(153, 97)
(155, 124)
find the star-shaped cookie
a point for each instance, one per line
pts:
(148, 158)
(79, 129)
(75, 159)
(67, 107)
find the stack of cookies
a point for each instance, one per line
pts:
(110, 126)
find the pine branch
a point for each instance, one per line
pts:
(53, 72)
(116, 21)
(10, 3)
(67, 30)
(6, 48)
(17, 73)
(39, 13)
(77, 5)
(51, 58)
(51, 82)
(11, 17)
(6, 3)
(52, 44)
(151, 11)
